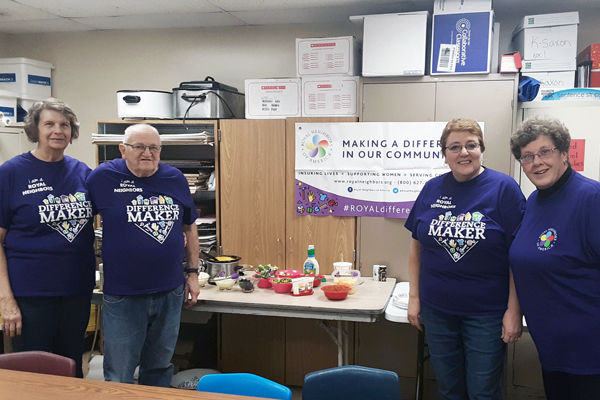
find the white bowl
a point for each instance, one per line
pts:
(225, 284)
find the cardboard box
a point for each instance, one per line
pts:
(543, 20)
(590, 53)
(549, 65)
(331, 96)
(26, 77)
(273, 98)
(550, 81)
(547, 43)
(462, 43)
(8, 105)
(328, 56)
(461, 6)
(572, 94)
(394, 44)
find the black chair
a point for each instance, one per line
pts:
(351, 382)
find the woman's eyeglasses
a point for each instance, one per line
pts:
(457, 148)
(542, 154)
(142, 147)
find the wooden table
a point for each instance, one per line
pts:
(16, 385)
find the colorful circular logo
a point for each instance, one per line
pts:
(547, 240)
(463, 24)
(317, 146)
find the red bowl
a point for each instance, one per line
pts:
(284, 288)
(263, 283)
(336, 292)
(318, 279)
(289, 273)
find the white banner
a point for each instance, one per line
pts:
(365, 168)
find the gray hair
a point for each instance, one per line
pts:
(32, 119)
(536, 126)
(131, 129)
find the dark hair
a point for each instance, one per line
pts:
(535, 126)
(460, 125)
(33, 117)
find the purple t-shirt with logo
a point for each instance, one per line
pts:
(142, 221)
(556, 265)
(465, 230)
(46, 210)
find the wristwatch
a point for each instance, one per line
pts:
(191, 270)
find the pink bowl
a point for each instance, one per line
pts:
(264, 283)
(281, 287)
(289, 273)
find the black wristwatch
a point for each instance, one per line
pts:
(191, 270)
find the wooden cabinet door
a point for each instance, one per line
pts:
(252, 190)
(331, 236)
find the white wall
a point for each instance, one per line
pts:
(91, 66)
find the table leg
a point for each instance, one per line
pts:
(420, 364)
(339, 339)
(340, 344)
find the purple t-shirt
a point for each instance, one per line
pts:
(142, 222)
(465, 230)
(46, 210)
(555, 259)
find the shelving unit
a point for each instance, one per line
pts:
(190, 156)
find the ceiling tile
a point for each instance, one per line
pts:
(158, 21)
(113, 8)
(11, 11)
(256, 5)
(43, 25)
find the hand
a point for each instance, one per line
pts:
(192, 289)
(414, 312)
(11, 317)
(512, 326)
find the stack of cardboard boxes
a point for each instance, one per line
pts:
(327, 83)
(23, 81)
(548, 46)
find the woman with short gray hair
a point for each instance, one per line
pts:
(555, 259)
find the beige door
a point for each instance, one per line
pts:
(252, 190)
(331, 236)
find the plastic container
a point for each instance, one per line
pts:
(342, 266)
(336, 292)
(318, 279)
(349, 278)
(281, 287)
(26, 77)
(311, 265)
(302, 286)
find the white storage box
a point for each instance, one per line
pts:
(550, 81)
(549, 65)
(543, 20)
(8, 105)
(328, 56)
(394, 44)
(331, 96)
(551, 42)
(273, 98)
(462, 43)
(27, 101)
(26, 77)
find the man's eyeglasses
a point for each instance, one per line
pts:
(542, 154)
(142, 147)
(457, 148)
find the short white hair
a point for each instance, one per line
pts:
(131, 129)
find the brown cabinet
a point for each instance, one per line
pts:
(259, 224)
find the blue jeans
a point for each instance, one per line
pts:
(55, 324)
(467, 353)
(141, 330)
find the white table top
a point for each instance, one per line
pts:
(369, 301)
(395, 314)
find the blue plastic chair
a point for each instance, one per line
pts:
(351, 382)
(243, 384)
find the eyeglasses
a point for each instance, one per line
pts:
(542, 155)
(457, 148)
(142, 147)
